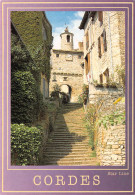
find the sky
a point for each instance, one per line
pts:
(60, 20)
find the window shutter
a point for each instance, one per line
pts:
(88, 62)
(99, 47)
(86, 65)
(100, 16)
(102, 44)
(87, 40)
(105, 42)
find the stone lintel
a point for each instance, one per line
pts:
(67, 51)
(67, 74)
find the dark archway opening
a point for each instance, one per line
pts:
(68, 91)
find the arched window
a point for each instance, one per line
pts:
(68, 38)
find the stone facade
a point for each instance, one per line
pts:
(104, 54)
(66, 67)
(111, 146)
(104, 47)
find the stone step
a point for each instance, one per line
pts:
(67, 149)
(69, 127)
(68, 133)
(71, 144)
(73, 163)
(69, 158)
(61, 148)
(68, 136)
(75, 152)
(72, 133)
(68, 143)
(58, 140)
(68, 122)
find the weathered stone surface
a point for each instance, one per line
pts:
(112, 149)
(66, 67)
(111, 59)
(67, 145)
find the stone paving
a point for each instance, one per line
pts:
(68, 144)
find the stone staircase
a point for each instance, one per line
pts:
(68, 144)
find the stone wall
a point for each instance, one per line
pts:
(111, 141)
(47, 122)
(111, 146)
(67, 70)
(107, 94)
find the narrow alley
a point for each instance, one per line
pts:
(69, 143)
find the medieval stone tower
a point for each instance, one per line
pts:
(66, 40)
(67, 69)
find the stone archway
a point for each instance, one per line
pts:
(66, 89)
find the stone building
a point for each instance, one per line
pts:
(35, 31)
(67, 70)
(104, 73)
(104, 51)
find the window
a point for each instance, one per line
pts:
(64, 78)
(69, 57)
(87, 40)
(68, 38)
(100, 17)
(106, 76)
(99, 48)
(102, 44)
(101, 79)
(54, 77)
(104, 40)
(57, 55)
(79, 57)
(87, 63)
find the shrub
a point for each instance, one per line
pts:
(23, 98)
(116, 117)
(56, 87)
(80, 99)
(85, 93)
(91, 118)
(121, 76)
(25, 144)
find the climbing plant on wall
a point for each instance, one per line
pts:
(29, 25)
(26, 98)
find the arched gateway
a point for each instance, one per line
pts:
(66, 66)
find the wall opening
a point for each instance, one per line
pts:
(106, 76)
(67, 89)
(68, 38)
